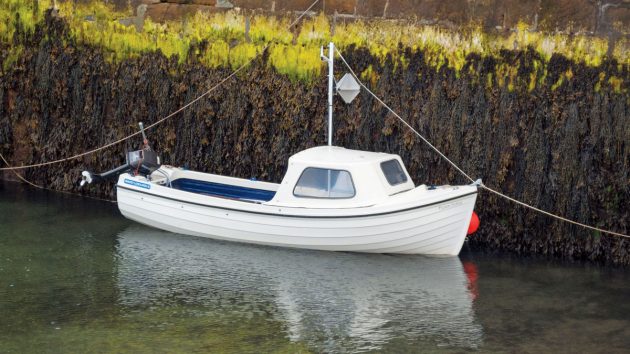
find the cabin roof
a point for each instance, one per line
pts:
(333, 155)
(369, 183)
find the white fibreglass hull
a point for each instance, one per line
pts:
(428, 226)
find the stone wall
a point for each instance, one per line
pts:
(550, 15)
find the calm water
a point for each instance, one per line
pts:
(77, 277)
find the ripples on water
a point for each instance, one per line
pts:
(327, 300)
(77, 277)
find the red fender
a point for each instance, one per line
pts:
(474, 224)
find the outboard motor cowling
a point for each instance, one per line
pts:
(144, 161)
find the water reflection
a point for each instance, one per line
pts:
(331, 301)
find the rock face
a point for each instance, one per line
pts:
(565, 150)
(573, 15)
(170, 11)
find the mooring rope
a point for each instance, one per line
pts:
(21, 178)
(482, 185)
(239, 69)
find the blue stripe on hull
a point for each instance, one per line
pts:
(222, 190)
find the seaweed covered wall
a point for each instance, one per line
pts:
(549, 15)
(561, 144)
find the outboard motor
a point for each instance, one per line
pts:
(144, 162)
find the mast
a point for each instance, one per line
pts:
(331, 79)
(347, 87)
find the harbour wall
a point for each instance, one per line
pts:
(548, 15)
(564, 148)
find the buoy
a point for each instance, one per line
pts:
(474, 224)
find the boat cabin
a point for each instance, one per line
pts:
(319, 177)
(335, 177)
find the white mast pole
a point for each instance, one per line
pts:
(331, 55)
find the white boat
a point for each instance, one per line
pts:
(330, 198)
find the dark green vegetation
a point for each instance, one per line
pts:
(560, 143)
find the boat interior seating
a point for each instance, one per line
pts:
(223, 190)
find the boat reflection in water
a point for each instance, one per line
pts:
(328, 300)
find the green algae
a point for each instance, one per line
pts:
(219, 40)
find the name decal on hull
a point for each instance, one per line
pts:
(137, 184)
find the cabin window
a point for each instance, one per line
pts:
(393, 172)
(324, 183)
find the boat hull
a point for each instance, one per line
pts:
(434, 228)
